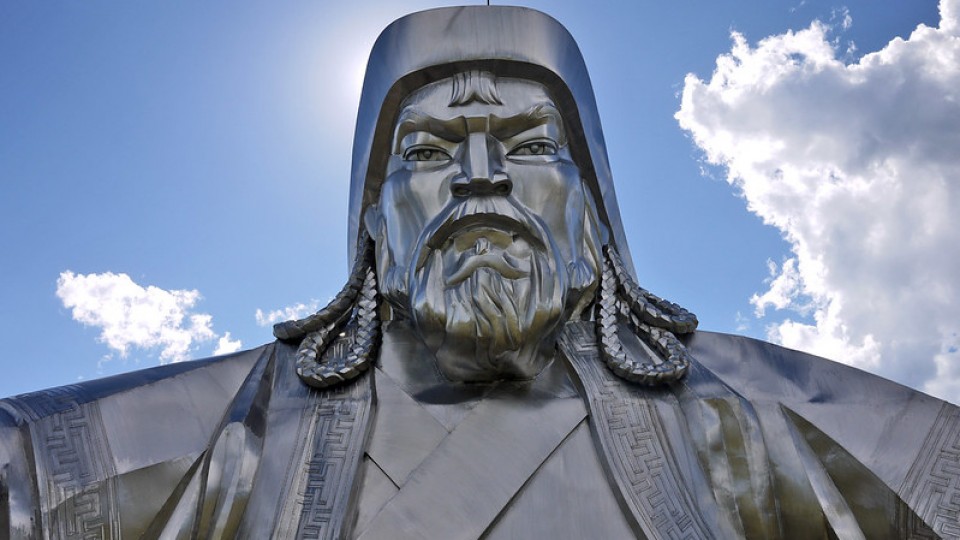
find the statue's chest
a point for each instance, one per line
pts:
(511, 461)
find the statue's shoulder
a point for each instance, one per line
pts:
(74, 449)
(155, 392)
(763, 370)
(902, 435)
(863, 440)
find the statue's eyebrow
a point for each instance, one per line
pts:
(455, 129)
(538, 115)
(412, 121)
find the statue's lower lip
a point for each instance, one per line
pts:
(493, 222)
(490, 221)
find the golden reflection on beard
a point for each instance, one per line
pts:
(486, 287)
(488, 312)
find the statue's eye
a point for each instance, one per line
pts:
(535, 148)
(425, 153)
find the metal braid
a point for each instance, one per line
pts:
(649, 307)
(320, 363)
(653, 324)
(339, 306)
(340, 341)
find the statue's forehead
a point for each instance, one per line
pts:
(517, 96)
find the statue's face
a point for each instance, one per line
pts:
(486, 236)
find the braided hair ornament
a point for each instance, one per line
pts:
(340, 341)
(654, 320)
(351, 319)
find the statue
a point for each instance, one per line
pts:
(491, 369)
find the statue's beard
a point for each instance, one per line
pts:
(486, 291)
(488, 326)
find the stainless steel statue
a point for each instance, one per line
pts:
(491, 369)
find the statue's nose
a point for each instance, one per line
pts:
(482, 170)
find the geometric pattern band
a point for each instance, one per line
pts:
(343, 419)
(75, 468)
(932, 486)
(632, 439)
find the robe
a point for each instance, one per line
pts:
(758, 441)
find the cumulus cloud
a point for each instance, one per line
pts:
(856, 163)
(225, 345)
(296, 311)
(132, 316)
(784, 289)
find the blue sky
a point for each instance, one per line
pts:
(205, 148)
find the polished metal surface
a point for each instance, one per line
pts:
(584, 508)
(461, 487)
(757, 442)
(521, 385)
(404, 432)
(486, 236)
(510, 41)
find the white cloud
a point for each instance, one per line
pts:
(843, 15)
(857, 165)
(225, 345)
(296, 311)
(743, 323)
(784, 288)
(132, 316)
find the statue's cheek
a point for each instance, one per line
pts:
(547, 189)
(426, 192)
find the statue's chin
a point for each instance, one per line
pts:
(487, 326)
(468, 348)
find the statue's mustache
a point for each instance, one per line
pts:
(490, 213)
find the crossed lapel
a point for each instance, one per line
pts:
(454, 481)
